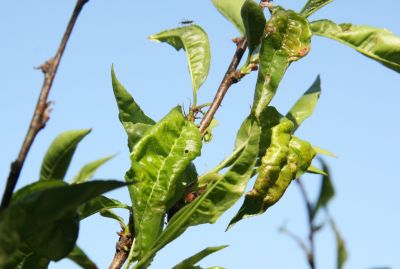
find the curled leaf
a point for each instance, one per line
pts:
(378, 44)
(254, 23)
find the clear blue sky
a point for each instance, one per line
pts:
(357, 118)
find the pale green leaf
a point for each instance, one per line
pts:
(325, 152)
(89, 169)
(59, 155)
(191, 261)
(315, 170)
(378, 44)
(313, 5)
(230, 9)
(80, 258)
(194, 40)
(159, 161)
(305, 106)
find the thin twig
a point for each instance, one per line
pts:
(295, 238)
(42, 111)
(311, 252)
(123, 248)
(229, 79)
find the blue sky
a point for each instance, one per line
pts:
(356, 118)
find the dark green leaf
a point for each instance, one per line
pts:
(98, 204)
(34, 261)
(327, 191)
(131, 116)
(47, 218)
(159, 161)
(191, 261)
(221, 192)
(287, 40)
(194, 40)
(312, 6)
(230, 9)
(286, 158)
(305, 106)
(89, 169)
(80, 258)
(378, 44)
(34, 187)
(58, 157)
(254, 23)
(341, 250)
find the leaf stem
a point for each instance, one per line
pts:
(42, 111)
(311, 252)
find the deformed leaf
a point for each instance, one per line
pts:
(59, 155)
(80, 258)
(194, 40)
(254, 23)
(89, 169)
(220, 193)
(305, 106)
(313, 5)
(98, 204)
(230, 9)
(287, 39)
(47, 214)
(191, 261)
(159, 161)
(378, 44)
(133, 119)
(327, 191)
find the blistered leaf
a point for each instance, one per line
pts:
(286, 158)
(133, 119)
(221, 192)
(254, 23)
(287, 39)
(327, 191)
(230, 9)
(378, 44)
(341, 250)
(59, 155)
(159, 161)
(98, 204)
(80, 258)
(305, 106)
(191, 261)
(313, 5)
(194, 40)
(89, 169)
(47, 218)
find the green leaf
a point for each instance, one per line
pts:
(230, 9)
(378, 44)
(221, 192)
(58, 157)
(315, 170)
(341, 250)
(313, 5)
(110, 214)
(89, 169)
(287, 40)
(286, 158)
(133, 119)
(254, 23)
(80, 258)
(325, 152)
(305, 106)
(191, 261)
(159, 161)
(34, 187)
(98, 204)
(194, 40)
(47, 218)
(327, 191)
(34, 261)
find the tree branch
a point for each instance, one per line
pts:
(311, 252)
(123, 248)
(229, 79)
(42, 111)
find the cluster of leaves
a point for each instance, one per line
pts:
(42, 222)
